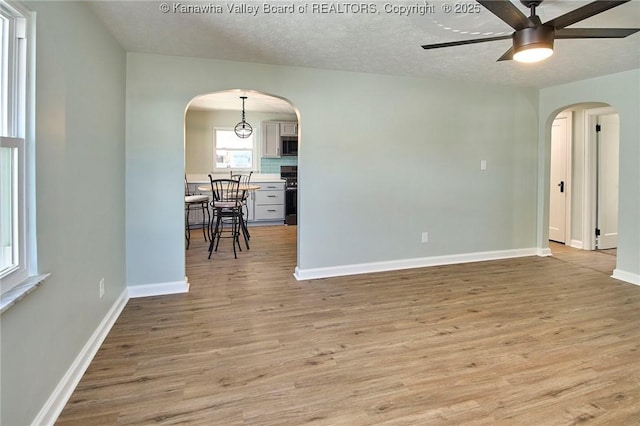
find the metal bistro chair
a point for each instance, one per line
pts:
(245, 181)
(192, 201)
(227, 207)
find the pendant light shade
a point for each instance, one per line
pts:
(243, 129)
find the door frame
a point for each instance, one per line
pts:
(568, 115)
(589, 201)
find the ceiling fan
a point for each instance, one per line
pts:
(533, 40)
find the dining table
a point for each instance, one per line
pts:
(243, 188)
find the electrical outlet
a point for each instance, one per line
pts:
(483, 164)
(425, 237)
(101, 287)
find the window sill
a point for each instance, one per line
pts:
(17, 293)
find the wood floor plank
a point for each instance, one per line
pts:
(526, 341)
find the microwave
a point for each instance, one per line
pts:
(289, 145)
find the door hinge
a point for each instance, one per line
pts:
(598, 128)
(597, 232)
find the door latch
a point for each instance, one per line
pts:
(561, 185)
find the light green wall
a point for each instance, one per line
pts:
(360, 151)
(622, 92)
(80, 174)
(199, 127)
(381, 160)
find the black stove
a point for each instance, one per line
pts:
(290, 176)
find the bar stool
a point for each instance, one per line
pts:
(245, 181)
(194, 201)
(227, 206)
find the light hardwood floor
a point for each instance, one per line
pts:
(528, 341)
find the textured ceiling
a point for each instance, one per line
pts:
(384, 42)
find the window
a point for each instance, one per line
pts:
(232, 152)
(13, 81)
(11, 201)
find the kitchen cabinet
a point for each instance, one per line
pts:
(273, 133)
(269, 202)
(288, 128)
(248, 209)
(271, 139)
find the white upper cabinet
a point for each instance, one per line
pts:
(271, 139)
(272, 134)
(288, 128)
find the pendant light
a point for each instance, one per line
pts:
(243, 129)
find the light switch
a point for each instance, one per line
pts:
(483, 164)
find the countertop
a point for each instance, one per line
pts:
(255, 178)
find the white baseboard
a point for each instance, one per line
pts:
(159, 289)
(394, 265)
(543, 252)
(576, 244)
(61, 394)
(626, 276)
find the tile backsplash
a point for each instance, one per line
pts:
(272, 165)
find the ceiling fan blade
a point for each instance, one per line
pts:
(508, 55)
(584, 12)
(508, 12)
(568, 33)
(463, 42)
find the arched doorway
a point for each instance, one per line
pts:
(210, 118)
(583, 176)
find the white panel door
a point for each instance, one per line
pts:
(558, 181)
(607, 190)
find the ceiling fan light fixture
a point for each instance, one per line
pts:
(533, 40)
(533, 44)
(535, 54)
(243, 129)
